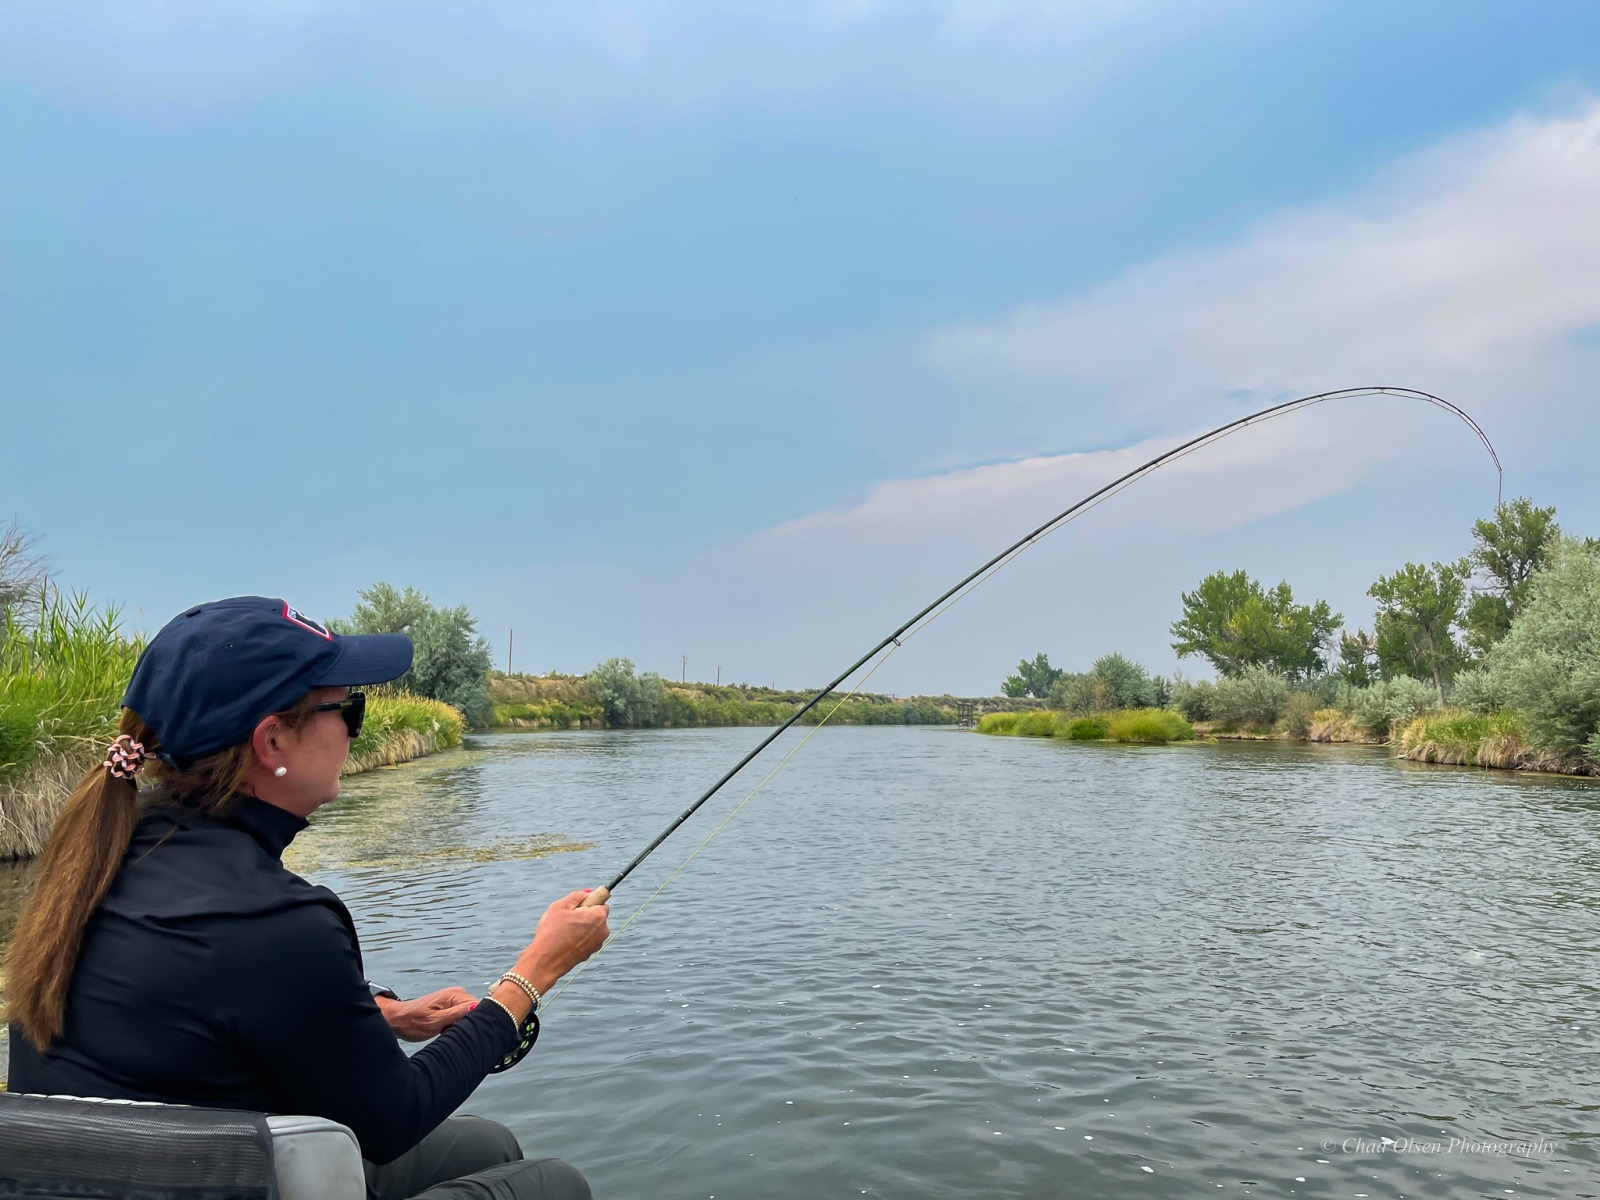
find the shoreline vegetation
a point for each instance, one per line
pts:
(612, 696)
(1491, 660)
(1444, 737)
(63, 666)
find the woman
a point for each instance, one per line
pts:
(167, 954)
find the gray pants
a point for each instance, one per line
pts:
(468, 1158)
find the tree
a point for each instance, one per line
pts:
(1548, 667)
(630, 701)
(1507, 548)
(1418, 611)
(1034, 678)
(451, 663)
(1358, 658)
(1235, 623)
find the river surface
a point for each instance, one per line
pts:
(929, 963)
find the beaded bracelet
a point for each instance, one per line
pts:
(528, 990)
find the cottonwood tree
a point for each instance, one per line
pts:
(1235, 623)
(1419, 609)
(1358, 658)
(1507, 548)
(1035, 678)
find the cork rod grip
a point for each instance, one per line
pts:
(599, 896)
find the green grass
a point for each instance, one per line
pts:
(998, 723)
(1152, 725)
(553, 714)
(1036, 724)
(60, 682)
(1085, 729)
(1143, 725)
(1454, 735)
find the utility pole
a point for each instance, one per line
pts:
(511, 637)
(683, 673)
(719, 676)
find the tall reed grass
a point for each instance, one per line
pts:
(400, 727)
(61, 676)
(1143, 725)
(1469, 739)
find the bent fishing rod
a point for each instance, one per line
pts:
(955, 593)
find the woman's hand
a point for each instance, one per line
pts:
(566, 935)
(426, 1016)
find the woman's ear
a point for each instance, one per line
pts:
(267, 740)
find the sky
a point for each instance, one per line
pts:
(735, 333)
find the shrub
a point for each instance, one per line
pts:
(1194, 698)
(1253, 699)
(1299, 710)
(1125, 683)
(1391, 704)
(630, 701)
(1476, 690)
(1086, 729)
(1548, 665)
(1157, 725)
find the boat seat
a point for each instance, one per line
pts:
(72, 1146)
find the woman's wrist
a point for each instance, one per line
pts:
(538, 971)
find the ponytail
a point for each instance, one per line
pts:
(79, 862)
(86, 848)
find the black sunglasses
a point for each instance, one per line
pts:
(353, 708)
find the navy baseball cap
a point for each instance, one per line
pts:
(206, 680)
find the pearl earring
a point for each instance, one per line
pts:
(281, 772)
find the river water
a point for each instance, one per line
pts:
(928, 963)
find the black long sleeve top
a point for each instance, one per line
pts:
(212, 975)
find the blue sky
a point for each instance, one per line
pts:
(738, 331)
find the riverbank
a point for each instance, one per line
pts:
(1446, 736)
(399, 728)
(571, 702)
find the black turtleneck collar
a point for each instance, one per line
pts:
(270, 825)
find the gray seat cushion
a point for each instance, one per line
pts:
(87, 1149)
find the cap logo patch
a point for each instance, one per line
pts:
(297, 617)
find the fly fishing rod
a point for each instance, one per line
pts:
(926, 614)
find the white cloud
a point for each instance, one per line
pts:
(1469, 261)
(1464, 271)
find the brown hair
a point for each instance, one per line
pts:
(85, 850)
